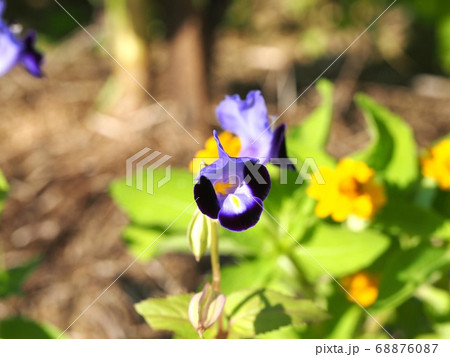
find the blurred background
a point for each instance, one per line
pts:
(64, 138)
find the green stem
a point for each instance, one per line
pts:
(215, 266)
(215, 263)
(426, 193)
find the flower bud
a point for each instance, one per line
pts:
(199, 232)
(205, 309)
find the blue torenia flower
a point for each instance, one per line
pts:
(14, 51)
(232, 190)
(248, 120)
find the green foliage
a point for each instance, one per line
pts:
(309, 139)
(161, 208)
(18, 327)
(4, 187)
(248, 313)
(166, 211)
(405, 271)
(169, 314)
(393, 151)
(340, 251)
(255, 312)
(253, 274)
(290, 252)
(11, 280)
(403, 217)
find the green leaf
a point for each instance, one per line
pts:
(253, 274)
(254, 312)
(22, 328)
(161, 208)
(313, 132)
(443, 33)
(147, 242)
(285, 332)
(393, 150)
(436, 301)
(347, 323)
(400, 217)
(170, 314)
(405, 271)
(309, 138)
(340, 251)
(4, 187)
(11, 280)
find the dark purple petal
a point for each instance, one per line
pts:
(32, 59)
(278, 147)
(240, 212)
(206, 198)
(257, 179)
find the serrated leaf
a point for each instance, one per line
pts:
(11, 280)
(254, 312)
(170, 314)
(340, 251)
(393, 150)
(22, 328)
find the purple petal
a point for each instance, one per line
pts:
(222, 153)
(206, 198)
(2, 8)
(278, 147)
(10, 49)
(32, 59)
(247, 118)
(240, 212)
(257, 179)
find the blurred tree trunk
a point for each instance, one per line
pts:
(191, 30)
(126, 25)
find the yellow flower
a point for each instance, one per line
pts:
(349, 189)
(206, 156)
(436, 164)
(363, 287)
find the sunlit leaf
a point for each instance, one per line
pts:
(340, 251)
(309, 138)
(170, 314)
(405, 271)
(393, 150)
(4, 187)
(164, 206)
(254, 312)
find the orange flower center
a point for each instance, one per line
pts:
(350, 187)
